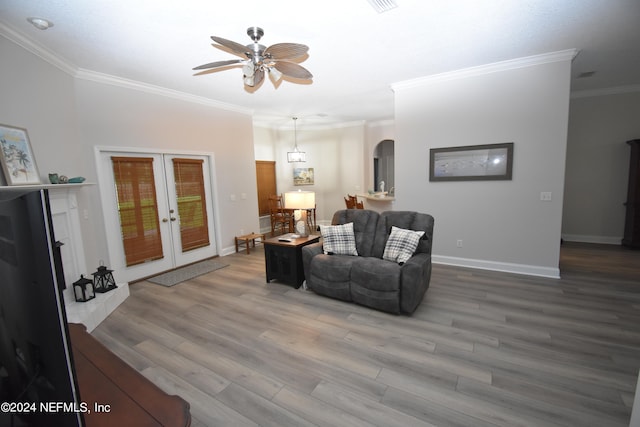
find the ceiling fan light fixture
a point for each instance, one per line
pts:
(275, 74)
(280, 59)
(248, 69)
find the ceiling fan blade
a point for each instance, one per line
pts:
(236, 48)
(286, 50)
(218, 64)
(291, 69)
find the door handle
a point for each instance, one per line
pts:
(165, 220)
(173, 219)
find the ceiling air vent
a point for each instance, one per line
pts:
(383, 5)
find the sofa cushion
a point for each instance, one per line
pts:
(401, 244)
(338, 239)
(375, 283)
(410, 220)
(365, 225)
(330, 275)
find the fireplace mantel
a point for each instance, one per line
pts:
(68, 230)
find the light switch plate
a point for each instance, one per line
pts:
(545, 196)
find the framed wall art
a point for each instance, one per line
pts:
(18, 164)
(303, 176)
(471, 163)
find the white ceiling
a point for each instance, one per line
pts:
(355, 54)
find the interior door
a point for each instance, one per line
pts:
(158, 203)
(266, 183)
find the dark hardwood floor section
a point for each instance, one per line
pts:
(484, 348)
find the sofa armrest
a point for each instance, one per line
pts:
(415, 275)
(308, 252)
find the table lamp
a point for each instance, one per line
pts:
(300, 201)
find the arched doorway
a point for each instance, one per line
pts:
(383, 165)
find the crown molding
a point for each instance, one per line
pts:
(511, 64)
(36, 49)
(617, 90)
(108, 79)
(381, 123)
(83, 74)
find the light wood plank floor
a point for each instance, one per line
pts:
(484, 348)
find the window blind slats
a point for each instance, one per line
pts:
(138, 209)
(192, 208)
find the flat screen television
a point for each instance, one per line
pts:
(36, 363)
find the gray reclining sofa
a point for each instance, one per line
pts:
(394, 286)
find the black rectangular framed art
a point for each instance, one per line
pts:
(490, 162)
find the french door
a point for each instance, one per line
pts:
(158, 211)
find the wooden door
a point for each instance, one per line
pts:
(266, 177)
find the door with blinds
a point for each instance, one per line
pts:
(161, 204)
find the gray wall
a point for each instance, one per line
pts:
(598, 165)
(503, 225)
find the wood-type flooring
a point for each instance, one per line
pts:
(483, 349)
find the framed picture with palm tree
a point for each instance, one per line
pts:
(18, 164)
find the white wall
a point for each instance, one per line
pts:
(67, 116)
(503, 224)
(598, 166)
(335, 154)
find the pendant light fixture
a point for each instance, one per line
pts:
(296, 155)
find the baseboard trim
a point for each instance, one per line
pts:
(581, 238)
(530, 270)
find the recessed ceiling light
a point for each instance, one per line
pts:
(40, 23)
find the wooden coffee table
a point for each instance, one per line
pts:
(283, 259)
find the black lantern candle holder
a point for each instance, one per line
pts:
(83, 289)
(103, 280)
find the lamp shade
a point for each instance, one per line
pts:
(300, 200)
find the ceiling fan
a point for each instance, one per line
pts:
(277, 60)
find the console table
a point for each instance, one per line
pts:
(283, 259)
(105, 379)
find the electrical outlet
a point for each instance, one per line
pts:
(459, 243)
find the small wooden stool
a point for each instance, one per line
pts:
(247, 239)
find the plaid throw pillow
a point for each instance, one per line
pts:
(401, 244)
(338, 239)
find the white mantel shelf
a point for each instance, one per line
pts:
(49, 186)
